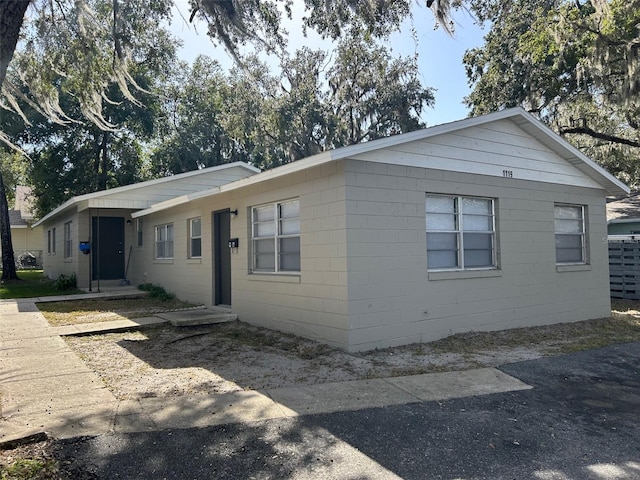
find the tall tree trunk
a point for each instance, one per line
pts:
(11, 18)
(8, 258)
(103, 174)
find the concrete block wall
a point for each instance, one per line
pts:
(313, 303)
(191, 279)
(394, 300)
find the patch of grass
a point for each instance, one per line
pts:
(29, 469)
(72, 312)
(558, 338)
(32, 283)
(156, 291)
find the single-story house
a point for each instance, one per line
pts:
(487, 223)
(26, 241)
(623, 216)
(94, 237)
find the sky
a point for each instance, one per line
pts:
(439, 55)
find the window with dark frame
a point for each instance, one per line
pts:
(275, 235)
(460, 232)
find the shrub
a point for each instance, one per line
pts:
(156, 291)
(65, 282)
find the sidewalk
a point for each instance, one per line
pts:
(46, 387)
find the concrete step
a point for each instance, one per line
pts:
(189, 318)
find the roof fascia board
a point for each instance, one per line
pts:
(618, 186)
(162, 206)
(68, 204)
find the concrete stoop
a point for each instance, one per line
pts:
(190, 318)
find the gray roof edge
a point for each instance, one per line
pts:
(133, 186)
(600, 173)
(593, 170)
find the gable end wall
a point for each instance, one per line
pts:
(394, 300)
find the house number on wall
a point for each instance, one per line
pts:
(507, 173)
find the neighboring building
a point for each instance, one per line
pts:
(623, 215)
(26, 241)
(102, 221)
(488, 223)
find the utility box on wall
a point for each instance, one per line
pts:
(85, 247)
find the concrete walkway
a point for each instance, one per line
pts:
(46, 387)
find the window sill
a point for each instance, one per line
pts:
(462, 274)
(163, 260)
(578, 267)
(194, 261)
(274, 277)
(68, 260)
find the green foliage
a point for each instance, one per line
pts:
(156, 291)
(14, 172)
(29, 469)
(65, 282)
(317, 103)
(31, 284)
(575, 64)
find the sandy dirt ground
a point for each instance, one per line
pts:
(165, 361)
(169, 361)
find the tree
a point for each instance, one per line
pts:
(194, 135)
(372, 94)
(573, 64)
(77, 66)
(84, 46)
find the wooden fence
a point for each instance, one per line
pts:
(624, 269)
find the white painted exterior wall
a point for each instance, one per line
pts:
(364, 281)
(394, 299)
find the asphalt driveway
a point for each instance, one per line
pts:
(580, 421)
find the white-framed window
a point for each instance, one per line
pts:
(139, 237)
(461, 232)
(569, 227)
(49, 242)
(195, 237)
(164, 241)
(275, 237)
(67, 240)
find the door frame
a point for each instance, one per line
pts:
(220, 247)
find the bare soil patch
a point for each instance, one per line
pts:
(167, 361)
(71, 312)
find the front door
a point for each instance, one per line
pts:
(222, 257)
(107, 251)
